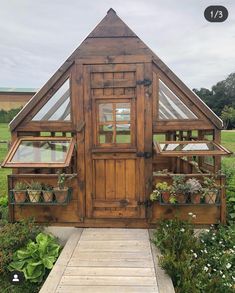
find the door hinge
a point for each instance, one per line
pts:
(145, 155)
(147, 203)
(145, 82)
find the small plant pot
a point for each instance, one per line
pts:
(34, 195)
(195, 198)
(47, 196)
(211, 197)
(61, 194)
(181, 198)
(166, 196)
(20, 195)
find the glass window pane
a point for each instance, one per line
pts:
(106, 134)
(123, 133)
(105, 112)
(123, 112)
(57, 107)
(41, 152)
(171, 107)
(188, 147)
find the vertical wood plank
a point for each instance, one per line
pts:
(88, 139)
(77, 103)
(148, 134)
(140, 96)
(110, 179)
(100, 179)
(131, 183)
(120, 179)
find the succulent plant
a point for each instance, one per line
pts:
(194, 186)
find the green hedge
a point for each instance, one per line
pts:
(7, 116)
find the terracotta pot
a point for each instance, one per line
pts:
(34, 195)
(181, 198)
(211, 197)
(195, 198)
(47, 196)
(166, 197)
(20, 195)
(61, 194)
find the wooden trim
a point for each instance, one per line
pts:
(163, 126)
(92, 60)
(7, 162)
(221, 150)
(97, 123)
(48, 89)
(160, 65)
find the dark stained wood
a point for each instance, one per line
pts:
(109, 67)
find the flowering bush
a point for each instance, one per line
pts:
(198, 265)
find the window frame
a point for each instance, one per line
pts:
(8, 164)
(97, 122)
(221, 151)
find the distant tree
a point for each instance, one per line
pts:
(222, 94)
(228, 117)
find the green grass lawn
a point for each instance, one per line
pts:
(4, 135)
(228, 140)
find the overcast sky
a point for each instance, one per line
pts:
(37, 36)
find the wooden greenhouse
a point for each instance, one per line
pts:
(115, 120)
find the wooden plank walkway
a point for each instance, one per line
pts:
(105, 260)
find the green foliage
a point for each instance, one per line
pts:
(35, 185)
(222, 94)
(228, 117)
(14, 236)
(194, 185)
(20, 186)
(7, 116)
(36, 257)
(3, 201)
(47, 187)
(197, 265)
(179, 185)
(229, 172)
(61, 180)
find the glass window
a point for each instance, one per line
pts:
(170, 106)
(40, 152)
(57, 107)
(114, 123)
(184, 148)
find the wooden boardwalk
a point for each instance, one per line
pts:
(105, 260)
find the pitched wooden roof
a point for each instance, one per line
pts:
(115, 31)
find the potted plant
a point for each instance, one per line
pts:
(195, 189)
(47, 193)
(34, 191)
(61, 191)
(162, 189)
(210, 189)
(20, 191)
(180, 189)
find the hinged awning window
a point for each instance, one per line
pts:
(190, 148)
(35, 152)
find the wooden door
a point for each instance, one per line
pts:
(114, 98)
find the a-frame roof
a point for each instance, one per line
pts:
(112, 27)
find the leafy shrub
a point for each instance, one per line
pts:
(14, 236)
(3, 201)
(36, 257)
(3, 210)
(197, 265)
(230, 192)
(7, 116)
